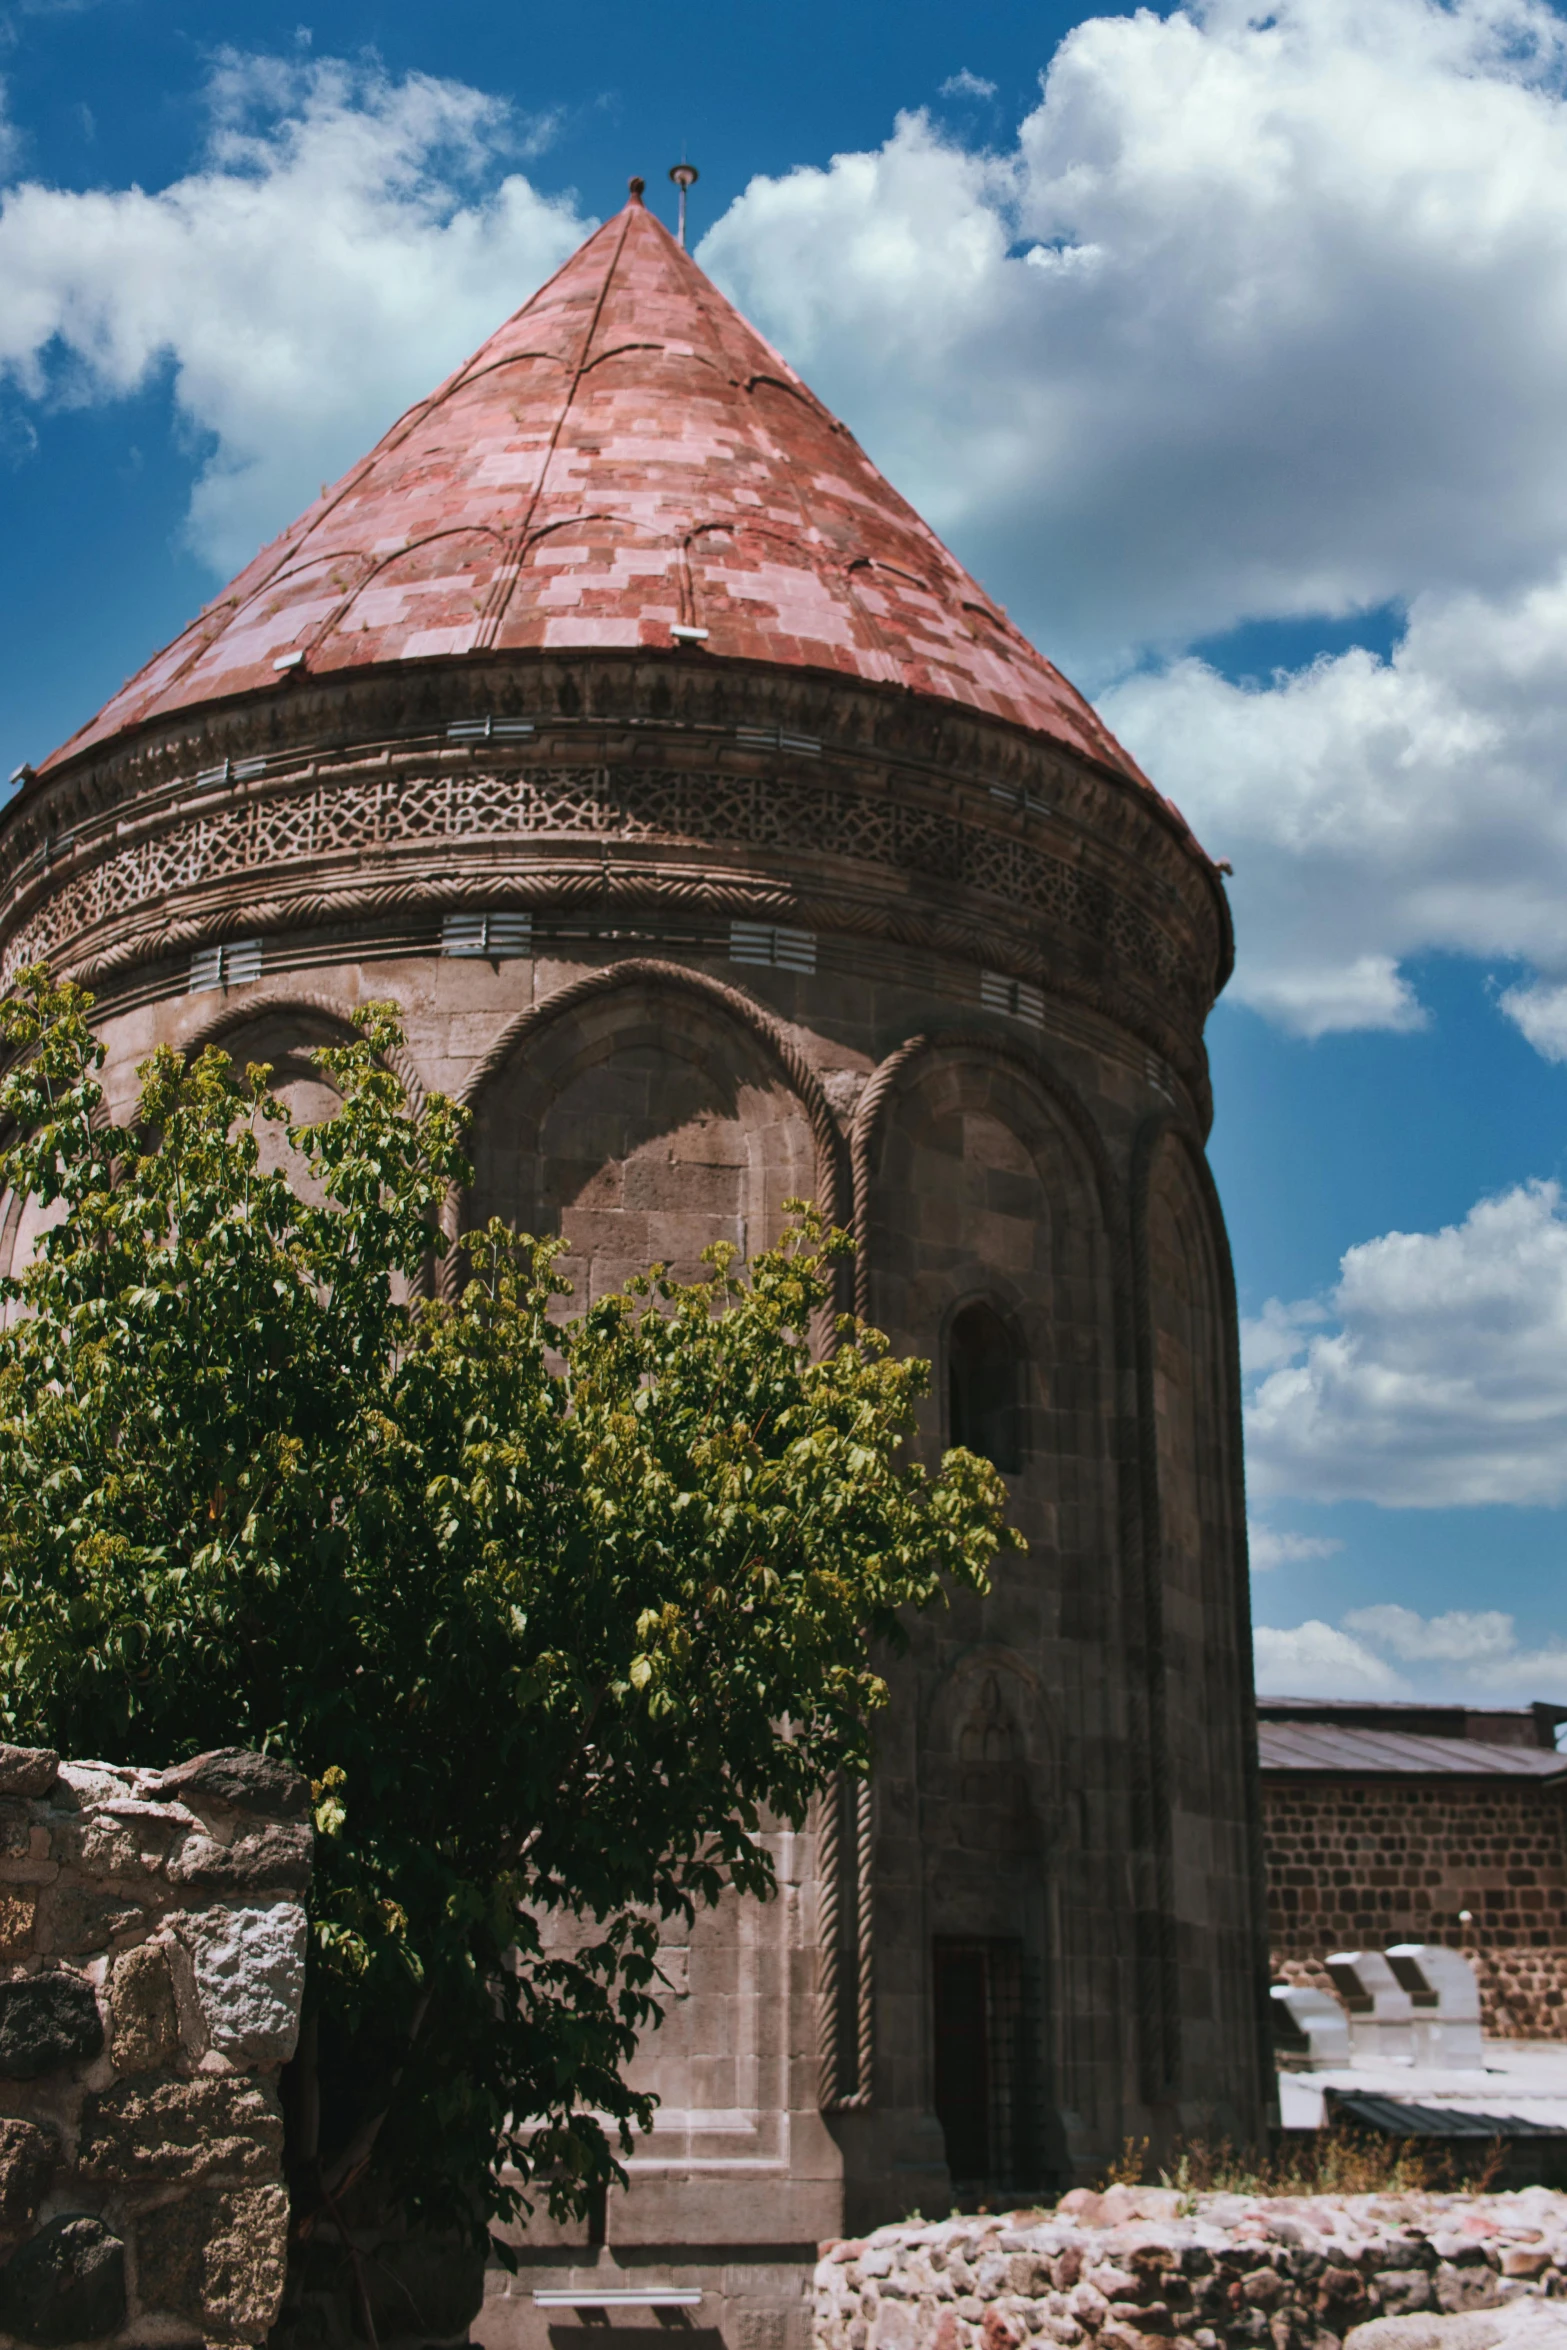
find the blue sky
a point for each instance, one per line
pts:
(1228, 347)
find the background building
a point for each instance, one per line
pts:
(723, 841)
(1421, 1823)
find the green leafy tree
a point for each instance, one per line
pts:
(553, 1613)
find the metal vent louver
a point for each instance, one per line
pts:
(479, 730)
(769, 942)
(777, 738)
(1014, 796)
(234, 964)
(1017, 997)
(498, 936)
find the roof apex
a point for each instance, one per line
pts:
(625, 462)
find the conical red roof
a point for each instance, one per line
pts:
(625, 456)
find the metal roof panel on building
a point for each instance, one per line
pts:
(1323, 1747)
(624, 459)
(1401, 2118)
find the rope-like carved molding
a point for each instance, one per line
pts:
(846, 2074)
(1127, 1000)
(967, 1044)
(275, 1002)
(378, 819)
(358, 716)
(647, 971)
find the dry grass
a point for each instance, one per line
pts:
(1327, 2162)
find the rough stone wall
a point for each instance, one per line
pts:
(1114, 2271)
(153, 1966)
(1361, 1864)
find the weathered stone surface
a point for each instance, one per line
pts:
(18, 1909)
(217, 2261)
(268, 1856)
(250, 1977)
(67, 2284)
(82, 1919)
(168, 2129)
(16, 1828)
(246, 1782)
(1530, 2324)
(28, 1770)
(100, 1845)
(47, 2021)
(27, 2159)
(143, 2026)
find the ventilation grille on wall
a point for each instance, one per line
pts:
(499, 936)
(768, 942)
(777, 738)
(1013, 796)
(1020, 997)
(481, 730)
(232, 965)
(233, 771)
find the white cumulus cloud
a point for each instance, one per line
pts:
(1255, 316)
(1317, 1660)
(1263, 314)
(1260, 314)
(346, 239)
(1463, 1656)
(1440, 1376)
(1374, 809)
(1271, 1546)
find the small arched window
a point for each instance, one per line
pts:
(984, 1381)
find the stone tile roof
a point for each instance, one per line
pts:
(623, 459)
(1320, 1746)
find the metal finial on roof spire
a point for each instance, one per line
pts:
(685, 175)
(636, 186)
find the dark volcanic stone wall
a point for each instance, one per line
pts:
(151, 1972)
(1359, 1864)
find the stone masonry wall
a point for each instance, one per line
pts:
(1359, 1864)
(152, 1957)
(1137, 2266)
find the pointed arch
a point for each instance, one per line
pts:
(1212, 1889)
(765, 1039)
(305, 1004)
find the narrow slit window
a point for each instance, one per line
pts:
(984, 1381)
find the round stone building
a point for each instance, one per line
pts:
(722, 841)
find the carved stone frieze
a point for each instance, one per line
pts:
(327, 820)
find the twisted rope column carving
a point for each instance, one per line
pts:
(830, 1900)
(846, 2069)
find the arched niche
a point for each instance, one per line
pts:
(1192, 1412)
(643, 1119)
(975, 1182)
(989, 1791)
(989, 1820)
(1205, 1771)
(281, 1032)
(284, 1037)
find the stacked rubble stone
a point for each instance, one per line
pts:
(1117, 2271)
(152, 1956)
